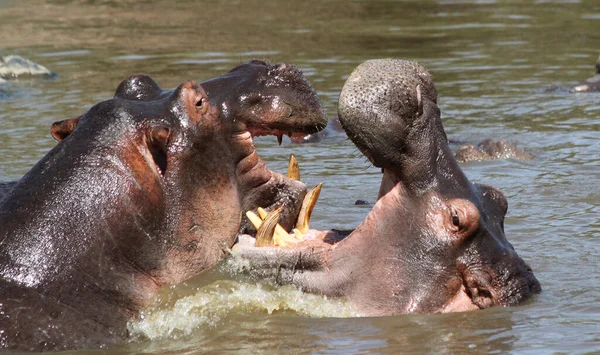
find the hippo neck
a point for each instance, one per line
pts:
(30, 256)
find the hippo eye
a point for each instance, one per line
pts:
(455, 219)
(202, 105)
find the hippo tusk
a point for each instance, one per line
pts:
(254, 219)
(293, 171)
(297, 234)
(281, 237)
(308, 204)
(265, 234)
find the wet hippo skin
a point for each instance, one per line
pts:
(143, 190)
(434, 242)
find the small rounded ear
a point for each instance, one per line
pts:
(62, 129)
(158, 140)
(494, 197)
(462, 219)
(138, 87)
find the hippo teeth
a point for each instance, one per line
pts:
(279, 138)
(265, 234)
(269, 232)
(308, 204)
(281, 237)
(293, 171)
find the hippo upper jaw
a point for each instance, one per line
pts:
(267, 99)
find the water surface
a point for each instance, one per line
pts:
(491, 61)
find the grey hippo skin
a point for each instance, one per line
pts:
(490, 149)
(591, 84)
(434, 242)
(14, 66)
(143, 190)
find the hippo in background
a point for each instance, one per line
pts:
(433, 243)
(489, 149)
(14, 66)
(143, 190)
(591, 84)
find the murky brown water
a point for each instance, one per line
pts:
(491, 61)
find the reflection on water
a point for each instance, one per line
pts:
(491, 60)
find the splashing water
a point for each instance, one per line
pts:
(213, 302)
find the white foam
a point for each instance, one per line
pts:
(213, 302)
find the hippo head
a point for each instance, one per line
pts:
(171, 153)
(434, 242)
(258, 98)
(191, 157)
(267, 99)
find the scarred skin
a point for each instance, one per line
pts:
(131, 199)
(434, 242)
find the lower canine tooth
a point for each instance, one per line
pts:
(293, 168)
(298, 235)
(308, 204)
(265, 234)
(280, 237)
(254, 219)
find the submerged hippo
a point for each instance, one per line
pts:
(143, 190)
(434, 242)
(490, 149)
(590, 84)
(14, 66)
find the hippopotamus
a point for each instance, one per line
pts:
(590, 84)
(14, 66)
(143, 190)
(490, 149)
(433, 243)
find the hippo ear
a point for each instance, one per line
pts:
(158, 141)
(463, 218)
(61, 129)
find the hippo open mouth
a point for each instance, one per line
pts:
(433, 243)
(257, 99)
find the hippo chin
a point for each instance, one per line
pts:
(143, 190)
(434, 242)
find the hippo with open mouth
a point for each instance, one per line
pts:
(144, 190)
(433, 243)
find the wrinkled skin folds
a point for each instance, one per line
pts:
(144, 190)
(434, 242)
